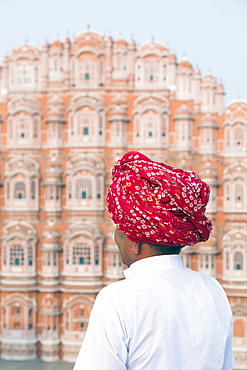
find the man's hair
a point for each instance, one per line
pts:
(164, 249)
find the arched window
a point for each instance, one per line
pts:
(24, 75)
(81, 254)
(85, 124)
(87, 72)
(151, 70)
(23, 130)
(19, 190)
(55, 68)
(183, 134)
(83, 188)
(17, 255)
(239, 135)
(150, 127)
(238, 261)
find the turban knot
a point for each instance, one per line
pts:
(156, 203)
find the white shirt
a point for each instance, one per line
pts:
(162, 316)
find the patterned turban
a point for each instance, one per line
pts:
(155, 203)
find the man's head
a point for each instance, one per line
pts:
(157, 204)
(134, 251)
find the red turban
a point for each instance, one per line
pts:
(155, 203)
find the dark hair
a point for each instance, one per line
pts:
(164, 249)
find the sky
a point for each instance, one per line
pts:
(212, 34)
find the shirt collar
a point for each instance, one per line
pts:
(164, 262)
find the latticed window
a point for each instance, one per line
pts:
(19, 190)
(67, 254)
(227, 260)
(24, 74)
(86, 123)
(81, 254)
(4, 255)
(238, 138)
(50, 192)
(55, 259)
(98, 188)
(96, 254)
(8, 190)
(238, 261)
(35, 127)
(115, 260)
(70, 189)
(100, 124)
(22, 128)
(30, 255)
(17, 255)
(33, 189)
(48, 259)
(83, 189)
(86, 71)
(151, 70)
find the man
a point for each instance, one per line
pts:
(162, 316)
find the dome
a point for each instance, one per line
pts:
(184, 112)
(132, 44)
(51, 233)
(209, 79)
(119, 99)
(208, 171)
(55, 108)
(196, 72)
(208, 121)
(119, 108)
(67, 41)
(53, 171)
(45, 45)
(184, 64)
(56, 45)
(184, 164)
(120, 43)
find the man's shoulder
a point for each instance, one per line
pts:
(122, 287)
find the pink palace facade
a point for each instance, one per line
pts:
(68, 111)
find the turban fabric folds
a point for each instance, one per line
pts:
(156, 203)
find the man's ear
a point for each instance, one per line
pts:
(136, 248)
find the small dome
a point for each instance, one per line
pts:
(196, 72)
(55, 108)
(45, 45)
(109, 40)
(220, 87)
(208, 171)
(209, 79)
(67, 41)
(173, 57)
(184, 164)
(51, 233)
(53, 171)
(120, 42)
(184, 112)
(132, 43)
(208, 121)
(56, 45)
(184, 64)
(119, 108)
(119, 99)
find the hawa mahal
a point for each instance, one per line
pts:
(68, 111)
